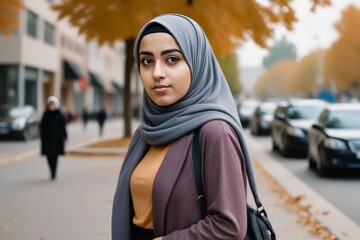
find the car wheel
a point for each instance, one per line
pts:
(274, 146)
(252, 130)
(284, 149)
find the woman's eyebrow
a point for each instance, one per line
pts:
(170, 51)
(162, 53)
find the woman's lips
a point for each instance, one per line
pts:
(161, 88)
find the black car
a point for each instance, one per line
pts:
(291, 122)
(262, 117)
(246, 110)
(20, 122)
(334, 141)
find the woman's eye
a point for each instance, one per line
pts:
(172, 60)
(146, 61)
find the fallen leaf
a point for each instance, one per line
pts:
(4, 227)
(85, 200)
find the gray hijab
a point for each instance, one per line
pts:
(208, 98)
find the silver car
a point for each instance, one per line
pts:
(19, 121)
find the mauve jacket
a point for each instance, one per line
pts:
(176, 212)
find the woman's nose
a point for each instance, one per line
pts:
(159, 71)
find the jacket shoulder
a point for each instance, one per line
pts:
(216, 129)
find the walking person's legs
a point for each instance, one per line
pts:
(52, 162)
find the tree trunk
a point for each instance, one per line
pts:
(129, 62)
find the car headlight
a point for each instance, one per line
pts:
(18, 123)
(335, 144)
(294, 131)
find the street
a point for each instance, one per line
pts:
(340, 191)
(33, 207)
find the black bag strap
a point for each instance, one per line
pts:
(196, 154)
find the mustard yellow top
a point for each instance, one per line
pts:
(141, 184)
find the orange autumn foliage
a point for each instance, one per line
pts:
(227, 23)
(9, 15)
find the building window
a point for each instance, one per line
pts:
(49, 33)
(31, 78)
(31, 25)
(9, 84)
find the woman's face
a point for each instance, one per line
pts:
(52, 106)
(163, 70)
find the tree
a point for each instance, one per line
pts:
(226, 23)
(343, 58)
(282, 49)
(9, 15)
(229, 65)
(302, 80)
(272, 83)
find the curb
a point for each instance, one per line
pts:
(98, 151)
(336, 222)
(82, 149)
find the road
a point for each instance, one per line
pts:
(77, 205)
(341, 191)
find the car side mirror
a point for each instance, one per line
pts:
(317, 126)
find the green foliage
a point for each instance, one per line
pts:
(282, 49)
(230, 67)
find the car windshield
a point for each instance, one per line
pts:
(304, 111)
(344, 119)
(267, 109)
(15, 112)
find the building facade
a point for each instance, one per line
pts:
(47, 57)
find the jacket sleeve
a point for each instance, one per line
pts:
(224, 183)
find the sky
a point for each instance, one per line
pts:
(312, 31)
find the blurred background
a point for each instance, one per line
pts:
(81, 51)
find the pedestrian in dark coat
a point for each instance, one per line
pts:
(53, 134)
(101, 117)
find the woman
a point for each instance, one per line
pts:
(53, 134)
(185, 89)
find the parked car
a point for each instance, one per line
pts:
(246, 109)
(21, 122)
(334, 141)
(262, 117)
(291, 122)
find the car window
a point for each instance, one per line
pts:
(304, 111)
(343, 119)
(267, 109)
(15, 112)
